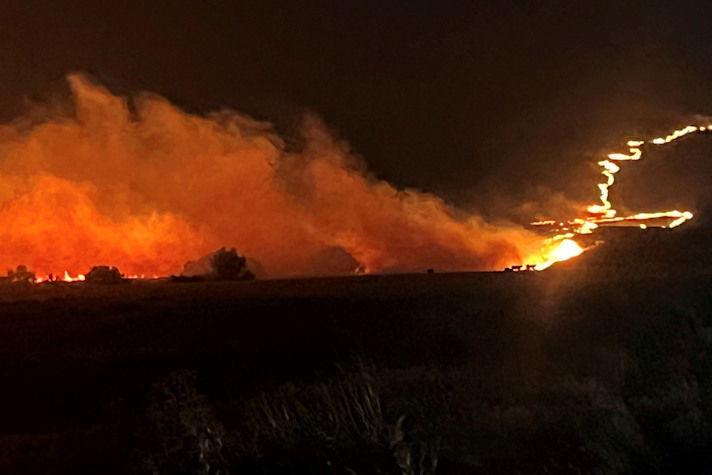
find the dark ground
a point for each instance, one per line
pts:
(603, 366)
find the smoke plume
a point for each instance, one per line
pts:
(144, 186)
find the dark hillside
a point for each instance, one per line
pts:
(633, 252)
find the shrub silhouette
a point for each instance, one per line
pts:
(104, 275)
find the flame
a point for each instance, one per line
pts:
(555, 249)
(65, 277)
(567, 249)
(564, 250)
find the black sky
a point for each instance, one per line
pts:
(468, 99)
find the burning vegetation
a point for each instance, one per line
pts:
(147, 187)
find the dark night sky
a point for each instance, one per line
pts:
(461, 98)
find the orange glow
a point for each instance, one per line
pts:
(145, 187)
(557, 249)
(567, 249)
(564, 250)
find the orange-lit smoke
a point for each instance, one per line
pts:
(146, 187)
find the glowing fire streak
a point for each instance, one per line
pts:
(66, 277)
(604, 213)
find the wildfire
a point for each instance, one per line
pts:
(144, 186)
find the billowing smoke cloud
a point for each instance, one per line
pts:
(145, 186)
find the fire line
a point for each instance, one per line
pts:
(563, 247)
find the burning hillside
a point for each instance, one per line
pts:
(603, 213)
(144, 186)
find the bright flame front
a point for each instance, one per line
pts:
(557, 249)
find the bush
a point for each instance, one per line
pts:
(223, 264)
(335, 426)
(180, 433)
(21, 274)
(104, 275)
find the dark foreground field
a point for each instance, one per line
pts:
(562, 371)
